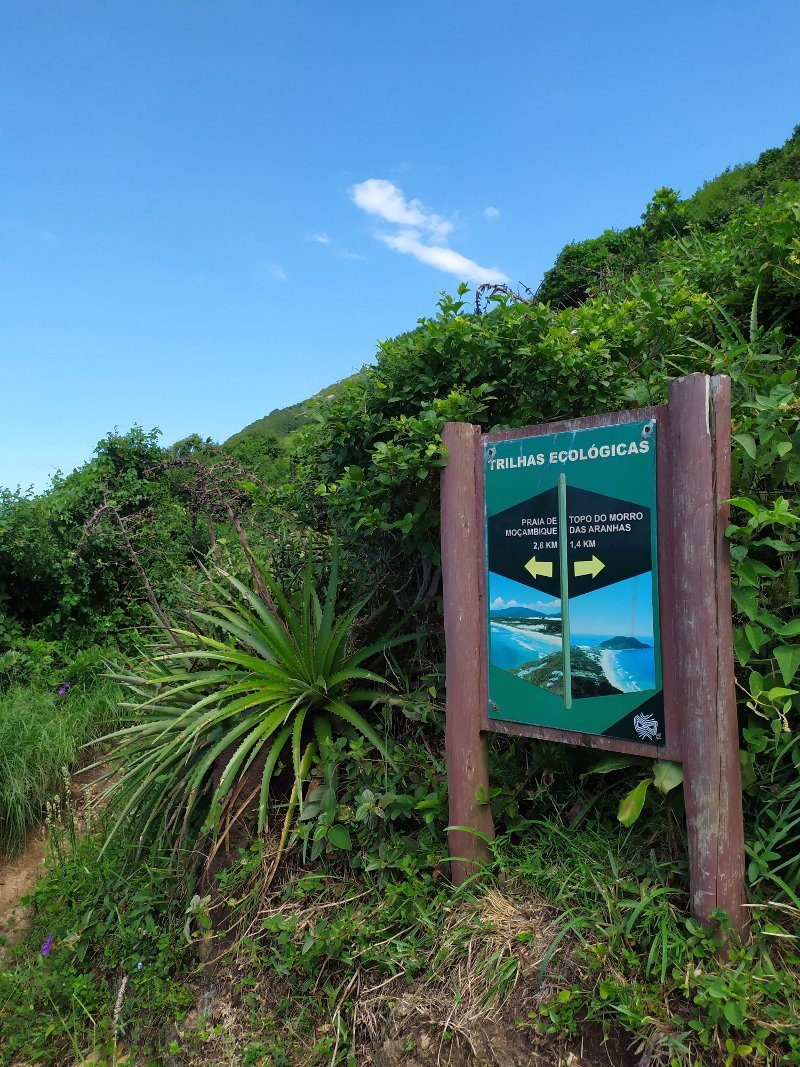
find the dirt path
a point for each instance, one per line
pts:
(18, 876)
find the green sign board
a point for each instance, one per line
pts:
(572, 583)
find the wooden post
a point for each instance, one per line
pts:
(699, 457)
(464, 621)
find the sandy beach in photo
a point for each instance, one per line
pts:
(527, 636)
(611, 669)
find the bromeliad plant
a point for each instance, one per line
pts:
(263, 679)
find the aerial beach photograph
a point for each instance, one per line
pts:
(526, 637)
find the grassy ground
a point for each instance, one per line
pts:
(41, 731)
(575, 944)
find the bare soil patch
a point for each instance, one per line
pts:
(18, 876)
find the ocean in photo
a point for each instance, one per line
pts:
(630, 670)
(511, 646)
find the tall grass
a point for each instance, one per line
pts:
(40, 733)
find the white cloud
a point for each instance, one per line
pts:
(419, 232)
(277, 272)
(491, 213)
(379, 197)
(545, 606)
(326, 239)
(446, 259)
(34, 233)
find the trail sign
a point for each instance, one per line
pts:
(587, 601)
(572, 573)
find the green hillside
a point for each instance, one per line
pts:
(281, 422)
(583, 268)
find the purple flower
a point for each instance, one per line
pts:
(139, 965)
(62, 689)
(48, 944)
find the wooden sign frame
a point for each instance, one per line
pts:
(693, 483)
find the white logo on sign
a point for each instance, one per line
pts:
(646, 727)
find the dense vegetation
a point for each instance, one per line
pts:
(582, 269)
(337, 926)
(280, 423)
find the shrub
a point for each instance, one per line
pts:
(261, 674)
(102, 967)
(40, 734)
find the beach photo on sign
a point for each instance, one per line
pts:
(612, 630)
(524, 630)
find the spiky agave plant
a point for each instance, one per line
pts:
(212, 707)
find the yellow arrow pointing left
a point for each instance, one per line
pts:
(537, 569)
(591, 566)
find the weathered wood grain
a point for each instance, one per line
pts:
(464, 613)
(702, 644)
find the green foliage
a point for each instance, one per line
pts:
(773, 802)
(66, 571)
(385, 816)
(92, 559)
(644, 967)
(102, 923)
(588, 268)
(316, 934)
(261, 673)
(590, 924)
(663, 217)
(758, 250)
(664, 775)
(279, 423)
(41, 731)
(47, 664)
(373, 457)
(713, 204)
(261, 453)
(764, 533)
(283, 422)
(110, 909)
(584, 266)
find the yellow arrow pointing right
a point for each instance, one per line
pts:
(536, 569)
(591, 566)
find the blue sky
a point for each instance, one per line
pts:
(621, 610)
(208, 210)
(506, 593)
